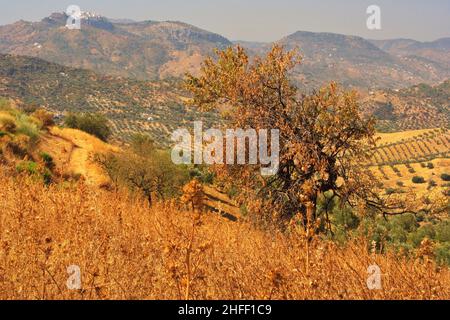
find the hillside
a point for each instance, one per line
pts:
(417, 107)
(158, 107)
(151, 50)
(72, 152)
(153, 107)
(64, 212)
(437, 51)
(143, 50)
(404, 155)
(355, 62)
(128, 250)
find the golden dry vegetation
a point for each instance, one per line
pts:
(127, 250)
(72, 151)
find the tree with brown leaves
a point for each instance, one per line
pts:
(324, 140)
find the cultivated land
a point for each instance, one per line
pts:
(403, 155)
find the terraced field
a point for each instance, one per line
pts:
(404, 156)
(412, 147)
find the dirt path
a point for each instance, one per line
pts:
(72, 152)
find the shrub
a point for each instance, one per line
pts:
(149, 174)
(32, 168)
(45, 117)
(47, 159)
(142, 144)
(19, 146)
(418, 180)
(425, 231)
(28, 126)
(443, 253)
(92, 123)
(431, 184)
(430, 165)
(390, 191)
(7, 123)
(445, 177)
(29, 167)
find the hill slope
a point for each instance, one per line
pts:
(128, 250)
(437, 51)
(153, 107)
(142, 50)
(417, 107)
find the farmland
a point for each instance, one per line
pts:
(404, 155)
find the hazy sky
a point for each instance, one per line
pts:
(261, 20)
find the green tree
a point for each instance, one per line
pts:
(92, 123)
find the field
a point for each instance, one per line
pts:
(401, 156)
(127, 250)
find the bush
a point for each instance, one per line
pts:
(425, 231)
(33, 169)
(28, 126)
(152, 174)
(445, 177)
(7, 123)
(92, 123)
(418, 180)
(45, 117)
(19, 146)
(142, 144)
(390, 191)
(29, 167)
(443, 253)
(430, 165)
(47, 159)
(432, 184)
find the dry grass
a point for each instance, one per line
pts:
(73, 151)
(127, 250)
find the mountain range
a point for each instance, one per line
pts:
(152, 50)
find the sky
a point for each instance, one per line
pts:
(261, 20)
